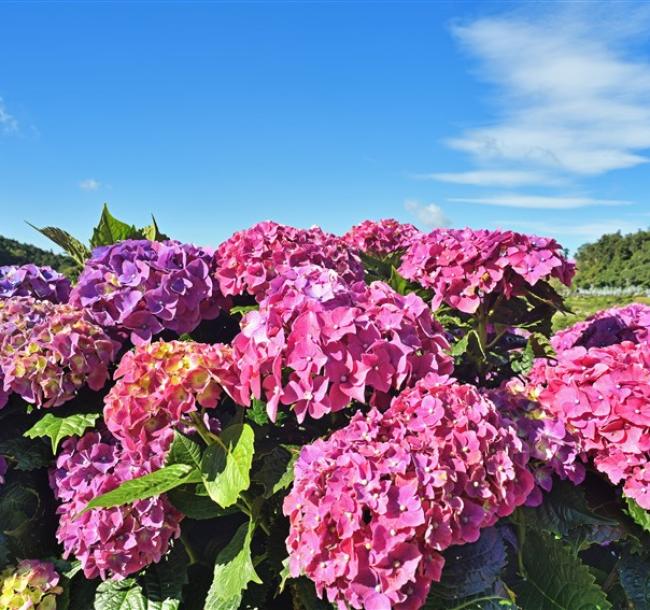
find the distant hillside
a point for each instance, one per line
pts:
(615, 260)
(13, 252)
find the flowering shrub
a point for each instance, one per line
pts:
(141, 287)
(447, 450)
(382, 238)
(372, 506)
(109, 541)
(30, 584)
(250, 259)
(317, 344)
(32, 281)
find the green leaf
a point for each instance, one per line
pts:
(233, 571)
(243, 309)
(58, 428)
(640, 516)
(276, 472)
(147, 486)
(257, 412)
(398, 283)
(194, 502)
(460, 347)
(226, 469)
(120, 595)
(555, 578)
(184, 450)
(306, 593)
(25, 454)
(111, 230)
(77, 251)
(152, 232)
(634, 575)
(163, 582)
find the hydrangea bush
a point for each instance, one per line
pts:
(293, 419)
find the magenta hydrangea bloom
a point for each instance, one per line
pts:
(381, 237)
(603, 396)
(552, 447)
(317, 344)
(109, 542)
(50, 351)
(30, 585)
(607, 327)
(250, 259)
(373, 505)
(159, 384)
(142, 287)
(33, 281)
(3, 469)
(463, 266)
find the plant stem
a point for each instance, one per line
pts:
(191, 553)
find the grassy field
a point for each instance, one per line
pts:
(583, 306)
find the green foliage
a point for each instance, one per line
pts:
(13, 252)
(25, 454)
(58, 428)
(634, 574)
(233, 571)
(226, 466)
(276, 471)
(184, 450)
(640, 516)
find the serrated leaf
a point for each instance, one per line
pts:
(634, 575)
(120, 595)
(195, 505)
(233, 571)
(555, 578)
(147, 486)
(276, 472)
(26, 455)
(184, 450)
(77, 251)
(111, 230)
(163, 582)
(640, 516)
(257, 412)
(226, 469)
(242, 310)
(58, 428)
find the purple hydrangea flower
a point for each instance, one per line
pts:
(33, 281)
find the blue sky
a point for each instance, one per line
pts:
(213, 116)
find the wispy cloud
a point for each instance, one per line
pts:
(8, 123)
(586, 231)
(89, 184)
(428, 215)
(503, 178)
(515, 200)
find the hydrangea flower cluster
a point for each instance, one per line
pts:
(553, 448)
(30, 585)
(158, 384)
(381, 237)
(116, 541)
(317, 344)
(142, 287)
(607, 327)
(463, 266)
(372, 506)
(33, 281)
(51, 351)
(250, 259)
(603, 395)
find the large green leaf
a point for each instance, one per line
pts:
(233, 571)
(226, 469)
(194, 502)
(634, 574)
(58, 428)
(555, 578)
(77, 251)
(163, 582)
(184, 450)
(641, 516)
(276, 472)
(153, 484)
(111, 230)
(120, 595)
(26, 454)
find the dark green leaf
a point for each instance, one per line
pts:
(163, 582)
(111, 230)
(184, 451)
(276, 472)
(257, 412)
(77, 251)
(195, 505)
(634, 574)
(58, 428)
(120, 595)
(25, 454)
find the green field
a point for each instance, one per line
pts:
(583, 306)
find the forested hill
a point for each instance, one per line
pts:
(615, 260)
(13, 252)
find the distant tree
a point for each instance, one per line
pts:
(13, 252)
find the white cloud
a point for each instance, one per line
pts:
(505, 178)
(571, 99)
(89, 184)
(8, 123)
(589, 231)
(428, 215)
(514, 200)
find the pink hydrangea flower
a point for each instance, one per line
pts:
(158, 384)
(109, 542)
(33, 281)
(628, 323)
(30, 585)
(317, 344)
(140, 287)
(602, 394)
(463, 267)
(250, 259)
(50, 351)
(382, 237)
(373, 505)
